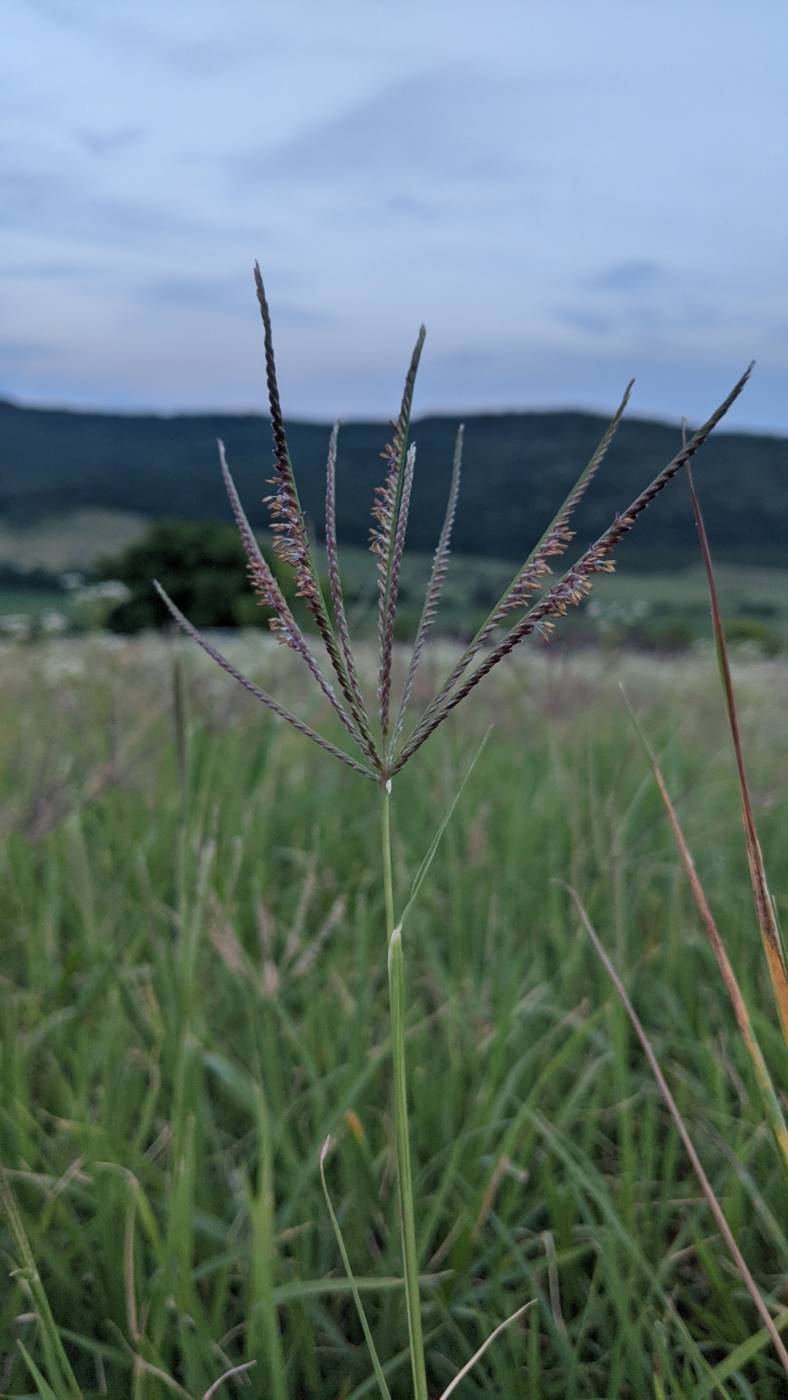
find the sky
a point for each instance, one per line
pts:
(567, 193)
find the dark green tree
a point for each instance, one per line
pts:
(201, 565)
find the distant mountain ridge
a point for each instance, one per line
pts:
(516, 469)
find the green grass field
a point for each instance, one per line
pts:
(194, 995)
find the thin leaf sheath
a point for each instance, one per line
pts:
(575, 584)
(255, 690)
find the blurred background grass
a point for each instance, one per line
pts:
(178, 937)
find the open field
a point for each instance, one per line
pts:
(75, 539)
(654, 610)
(193, 996)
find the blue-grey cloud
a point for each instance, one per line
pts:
(108, 142)
(228, 295)
(12, 351)
(65, 205)
(594, 322)
(449, 124)
(637, 275)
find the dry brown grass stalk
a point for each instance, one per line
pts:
(766, 1087)
(764, 905)
(724, 1228)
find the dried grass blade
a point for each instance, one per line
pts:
(255, 690)
(681, 1127)
(362, 1316)
(334, 576)
(387, 644)
(764, 905)
(529, 576)
(266, 585)
(226, 1376)
(440, 565)
(477, 1355)
(386, 507)
(768, 1092)
(572, 587)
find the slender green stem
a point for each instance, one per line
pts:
(396, 966)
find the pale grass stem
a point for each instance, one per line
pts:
(396, 977)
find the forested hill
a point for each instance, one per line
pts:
(517, 466)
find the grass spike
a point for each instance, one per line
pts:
(386, 505)
(334, 576)
(255, 690)
(291, 536)
(572, 587)
(387, 646)
(440, 564)
(535, 569)
(266, 585)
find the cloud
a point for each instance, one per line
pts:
(13, 351)
(109, 143)
(48, 202)
(446, 125)
(592, 322)
(226, 294)
(638, 275)
(196, 42)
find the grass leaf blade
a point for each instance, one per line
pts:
(362, 1316)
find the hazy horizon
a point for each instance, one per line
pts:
(543, 410)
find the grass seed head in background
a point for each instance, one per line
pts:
(530, 604)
